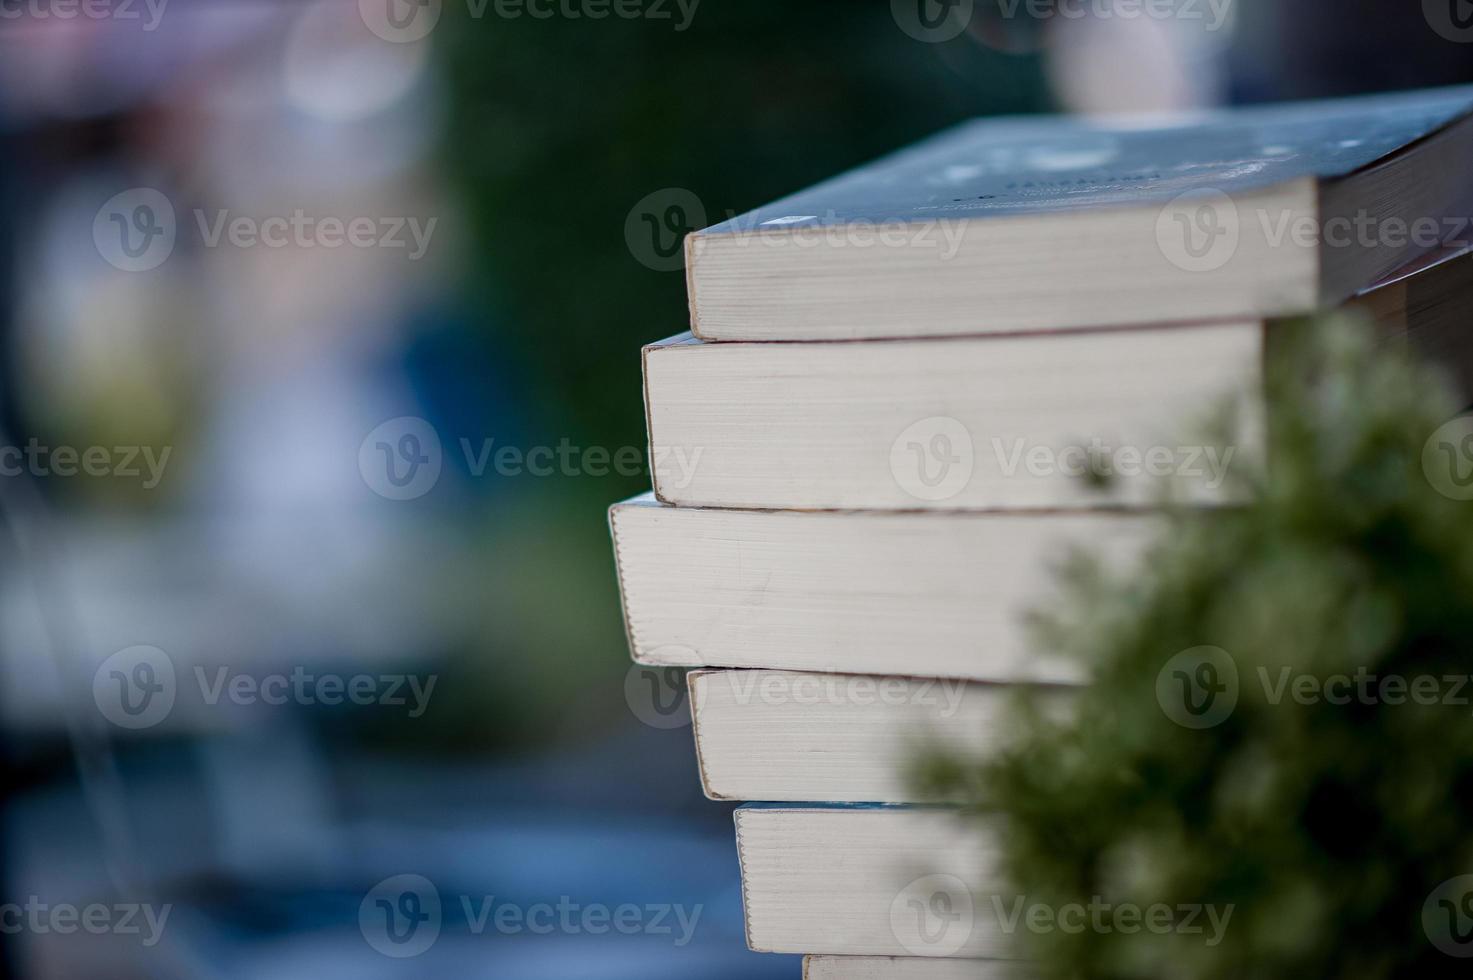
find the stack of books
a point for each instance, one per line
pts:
(911, 390)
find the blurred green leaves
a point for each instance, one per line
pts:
(1326, 814)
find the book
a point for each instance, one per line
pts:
(910, 968)
(996, 422)
(928, 594)
(918, 882)
(785, 736)
(870, 881)
(912, 392)
(960, 423)
(1045, 223)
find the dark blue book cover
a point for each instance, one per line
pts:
(1031, 164)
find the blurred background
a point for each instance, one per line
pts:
(319, 367)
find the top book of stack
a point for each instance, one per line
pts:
(1051, 223)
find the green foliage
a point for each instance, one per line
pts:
(1325, 826)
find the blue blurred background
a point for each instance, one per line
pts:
(319, 366)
